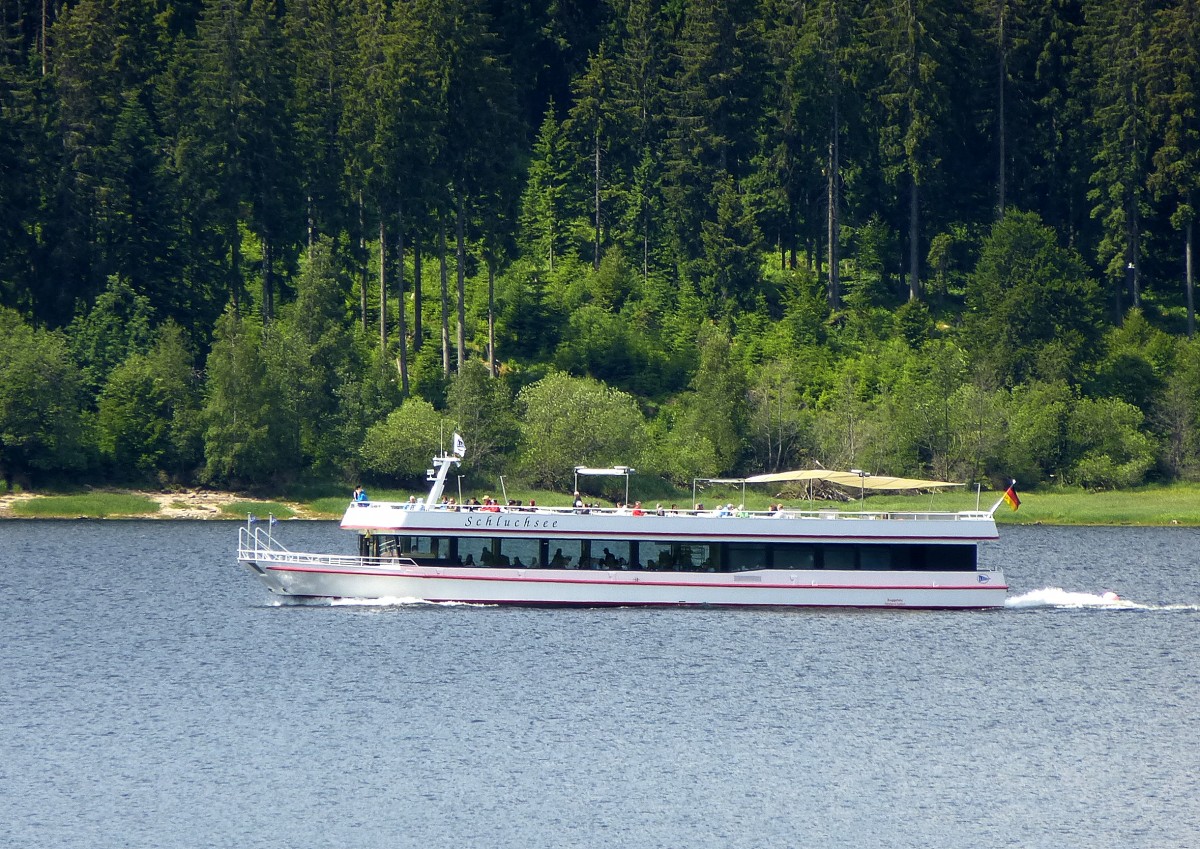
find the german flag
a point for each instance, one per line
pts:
(1010, 496)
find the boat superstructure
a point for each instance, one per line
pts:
(567, 555)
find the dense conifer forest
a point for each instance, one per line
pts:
(253, 242)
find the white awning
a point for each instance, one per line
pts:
(851, 479)
(616, 471)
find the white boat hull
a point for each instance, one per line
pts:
(824, 588)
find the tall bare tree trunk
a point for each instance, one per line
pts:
(402, 310)
(363, 271)
(460, 260)
(235, 263)
(1002, 76)
(418, 332)
(1189, 246)
(914, 242)
(596, 252)
(491, 264)
(445, 294)
(268, 290)
(833, 223)
(1134, 250)
(382, 293)
(311, 229)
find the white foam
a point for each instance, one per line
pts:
(1056, 597)
(385, 601)
(391, 601)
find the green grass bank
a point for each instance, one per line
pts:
(1175, 504)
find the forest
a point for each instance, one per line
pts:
(248, 243)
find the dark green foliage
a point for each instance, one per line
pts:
(397, 449)
(1033, 311)
(483, 412)
(250, 428)
(763, 221)
(117, 326)
(149, 412)
(569, 421)
(41, 426)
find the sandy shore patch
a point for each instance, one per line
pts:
(185, 504)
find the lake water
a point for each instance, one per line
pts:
(154, 695)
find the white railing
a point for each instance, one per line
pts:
(258, 544)
(787, 513)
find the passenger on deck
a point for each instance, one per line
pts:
(637, 509)
(578, 502)
(360, 494)
(610, 559)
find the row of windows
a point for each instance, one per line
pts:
(525, 553)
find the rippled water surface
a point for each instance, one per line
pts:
(153, 695)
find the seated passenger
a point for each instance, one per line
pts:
(558, 561)
(637, 509)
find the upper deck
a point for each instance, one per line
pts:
(680, 525)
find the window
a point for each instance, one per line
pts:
(841, 557)
(693, 557)
(659, 556)
(519, 553)
(610, 554)
(742, 557)
(797, 556)
(472, 551)
(422, 548)
(563, 553)
(876, 557)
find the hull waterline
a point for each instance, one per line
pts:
(607, 588)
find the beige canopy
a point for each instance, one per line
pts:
(852, 480)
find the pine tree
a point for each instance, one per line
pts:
(1174, 75)
(713, 101)
(1116, 37)
(551, 199)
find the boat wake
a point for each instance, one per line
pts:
(1058, 598)
(394, 601)
(385, 601)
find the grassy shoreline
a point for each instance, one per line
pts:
(1154, 505)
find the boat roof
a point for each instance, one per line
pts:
(855, 480)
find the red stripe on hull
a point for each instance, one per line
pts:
(618, 583)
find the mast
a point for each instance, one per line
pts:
(441, 467)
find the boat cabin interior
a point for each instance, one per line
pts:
(667, 556)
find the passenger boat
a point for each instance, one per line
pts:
(535, 555)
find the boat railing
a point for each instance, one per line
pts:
(257, 543)
(786, 513)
